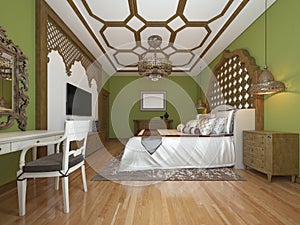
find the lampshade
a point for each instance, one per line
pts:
(266, 84)
(152, 65)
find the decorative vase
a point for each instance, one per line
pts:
(166, 116)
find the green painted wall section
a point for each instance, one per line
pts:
(283, 54)
(18, 19)
(182, 92)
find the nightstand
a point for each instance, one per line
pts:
(152, 124)
(272, 153)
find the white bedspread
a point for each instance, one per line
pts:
(179, 152)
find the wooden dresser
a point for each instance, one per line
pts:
(152, 124)
(272, 153)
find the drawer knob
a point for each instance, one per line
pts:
(38, 141)
(0, 149)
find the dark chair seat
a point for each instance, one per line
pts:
(50, 163)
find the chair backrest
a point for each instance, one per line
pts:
(75, 130)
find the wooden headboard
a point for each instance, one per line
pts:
(235, 73)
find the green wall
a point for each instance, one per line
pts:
(182, 92)
(18, 19)
(283, 54)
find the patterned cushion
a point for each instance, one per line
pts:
(206, 125)
(219, 125)
(190, 130)
(208, 115)
(228, 112)
(192, 123)
(180, 127)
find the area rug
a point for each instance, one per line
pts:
(110, 172)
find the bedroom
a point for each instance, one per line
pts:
(281, 110)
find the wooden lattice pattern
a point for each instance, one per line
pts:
(233, 77)
(59, 41)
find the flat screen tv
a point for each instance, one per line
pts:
(79, 101)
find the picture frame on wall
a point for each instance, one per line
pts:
(153, 100)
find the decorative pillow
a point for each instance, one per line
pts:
(191, 130)
(206, 125)
(230, 118)
(192, 123)
(219, 125)
(225, 111)
(180, 127)
(208, 115)
(194, 130)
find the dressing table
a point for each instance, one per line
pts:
(16, 141)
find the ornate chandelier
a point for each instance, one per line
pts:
(151, 65)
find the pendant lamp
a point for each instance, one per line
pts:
(266, 83)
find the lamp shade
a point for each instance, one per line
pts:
(266, 84)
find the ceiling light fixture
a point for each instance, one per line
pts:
(150, 64)
(266, 83)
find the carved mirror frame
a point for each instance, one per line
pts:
(13, 66)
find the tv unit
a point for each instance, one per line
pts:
(79, 101)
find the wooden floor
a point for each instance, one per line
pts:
(254, 201)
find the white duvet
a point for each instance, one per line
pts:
(179, 152)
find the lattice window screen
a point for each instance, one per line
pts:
(232, 80)
(59, 41)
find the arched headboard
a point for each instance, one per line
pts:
(235, 73)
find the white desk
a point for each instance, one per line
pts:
(15, 141)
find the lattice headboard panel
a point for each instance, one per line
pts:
(235, 73)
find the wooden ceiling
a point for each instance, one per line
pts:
(194, 32)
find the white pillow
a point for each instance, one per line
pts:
(225, 111)
(219, 125)
(191, 130)
(206, 125)
(180, 127)
(192, 123)
(208, 115)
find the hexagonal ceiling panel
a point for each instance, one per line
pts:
(194, 32)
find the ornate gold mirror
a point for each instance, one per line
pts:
(13, 84)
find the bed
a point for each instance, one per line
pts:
(180, 150)
(228, 92)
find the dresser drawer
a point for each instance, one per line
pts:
(254, 162)
(262, 140)
(258, 151)
(18, 145)
(4, 148)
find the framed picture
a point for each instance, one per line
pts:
(153, 101)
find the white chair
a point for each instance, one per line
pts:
(59, 164)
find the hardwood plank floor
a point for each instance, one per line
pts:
(254, 201)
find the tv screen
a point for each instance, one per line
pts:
(79, 101)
